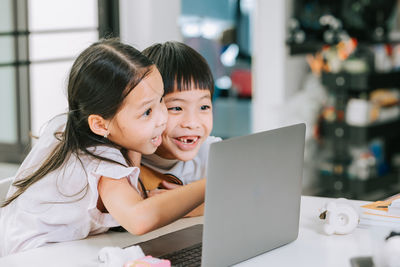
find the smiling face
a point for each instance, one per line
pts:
(190, 122)
(139, 123)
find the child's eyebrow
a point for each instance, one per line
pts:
(175, 99)
(145, 103)
(184, 100)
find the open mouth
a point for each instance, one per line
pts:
(188, 140)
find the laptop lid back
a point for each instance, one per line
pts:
(253, 195)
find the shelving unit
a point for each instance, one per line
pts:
(335, 180)
(352, 161)
(363, 82)
(312, 46)
(358, 135)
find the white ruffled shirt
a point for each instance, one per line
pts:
(62, 206)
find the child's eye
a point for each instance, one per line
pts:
(175, 108)
(147, 112)
(205, 107)
(161, 99)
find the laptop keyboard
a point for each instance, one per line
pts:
(187, 257)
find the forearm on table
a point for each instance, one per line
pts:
(165, 208)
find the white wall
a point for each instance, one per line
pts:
(143, 23)
(276, 74)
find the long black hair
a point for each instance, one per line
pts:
(100, 79)
(181, 67)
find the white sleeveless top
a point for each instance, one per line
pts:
(62, 206)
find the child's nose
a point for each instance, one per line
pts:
(191, 120)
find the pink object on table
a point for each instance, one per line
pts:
(148, 261)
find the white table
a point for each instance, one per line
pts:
(312, 247)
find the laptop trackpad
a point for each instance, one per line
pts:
(172, 242)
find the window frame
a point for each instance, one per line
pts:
(14, 153)
(108, 26)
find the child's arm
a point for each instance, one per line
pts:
(140, 216)
(199, 211)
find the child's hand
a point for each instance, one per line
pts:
(165, 187)
(169, 186)
(154, 192)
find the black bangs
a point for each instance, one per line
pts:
(181, 67)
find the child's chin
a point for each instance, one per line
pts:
(187, 155)
(149, 152)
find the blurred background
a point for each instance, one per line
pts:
(334, 65)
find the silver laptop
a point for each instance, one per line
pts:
(252, 202)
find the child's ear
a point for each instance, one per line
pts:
(98, 125)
